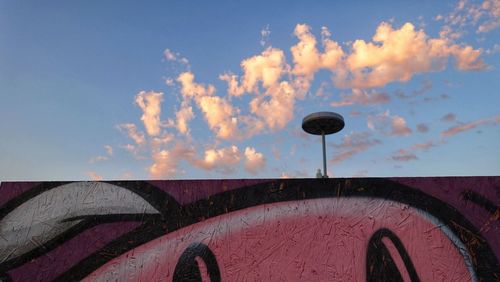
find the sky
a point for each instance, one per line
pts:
(106, 90)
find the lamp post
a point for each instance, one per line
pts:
(323, 123)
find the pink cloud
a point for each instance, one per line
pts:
(450, 117)
(223, 160)
(361, 97)
(388, 125)
(255, 161)
(353, 144)
(468, 126)
(94, 176)
(131, 130)
(403, 156)
(422, 128)
(150, 102)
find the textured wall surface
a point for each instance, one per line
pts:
(360, 229)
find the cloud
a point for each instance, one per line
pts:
(254, 161)
(218, 112)
(183, 116)
(175, 57)
(98, 159)
(353, 144)
(166, 162)
(308, 59)
(265, 69)
(399, 54)
(424, 88)
(484, 16)
(388, 125)
(361, 97)
(109, 152)
(392, 55)
(150, 102)
(449, 117)
(404, 156)
(222, 160)
(468, 126)
(422, 128)
(264, 35)
(94, 176)
(131, 130)
(277, 108)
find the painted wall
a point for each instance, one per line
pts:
(365, 229)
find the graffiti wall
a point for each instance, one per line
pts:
(360, 229)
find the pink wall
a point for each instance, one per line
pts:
(365, 229)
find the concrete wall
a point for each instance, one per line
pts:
(367, 229)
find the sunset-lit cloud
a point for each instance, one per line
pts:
(265, 69)
(94, 176)
(166, 161)
(255, 161)
(449, 117)
(218, 112)
(403, 156)
(469, 126)
(308, 59)
(277, 108)
(149, 102)
(109, 153)
(388, 124)
(362, 97)
(408, 154)
(223, 160)
(352, 144)
(175, 57)
(484, 16)
(422, 128)
(131, 130)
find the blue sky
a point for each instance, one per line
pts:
(119, 90)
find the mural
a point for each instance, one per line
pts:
(359, 229)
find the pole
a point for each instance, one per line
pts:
(324, 155)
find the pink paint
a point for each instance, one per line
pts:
(63, 257)
(450, 189)
(310, 240)
(187, 191)
(10, 190)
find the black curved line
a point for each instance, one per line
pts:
(481, 201)
(187, 268)
(377, 252)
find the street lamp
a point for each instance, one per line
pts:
(323, 123)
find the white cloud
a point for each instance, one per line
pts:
(254, 161)
(150, 103)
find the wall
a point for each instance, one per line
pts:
(365, 229)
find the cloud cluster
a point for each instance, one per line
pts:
(388, 124)
(484, 16)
